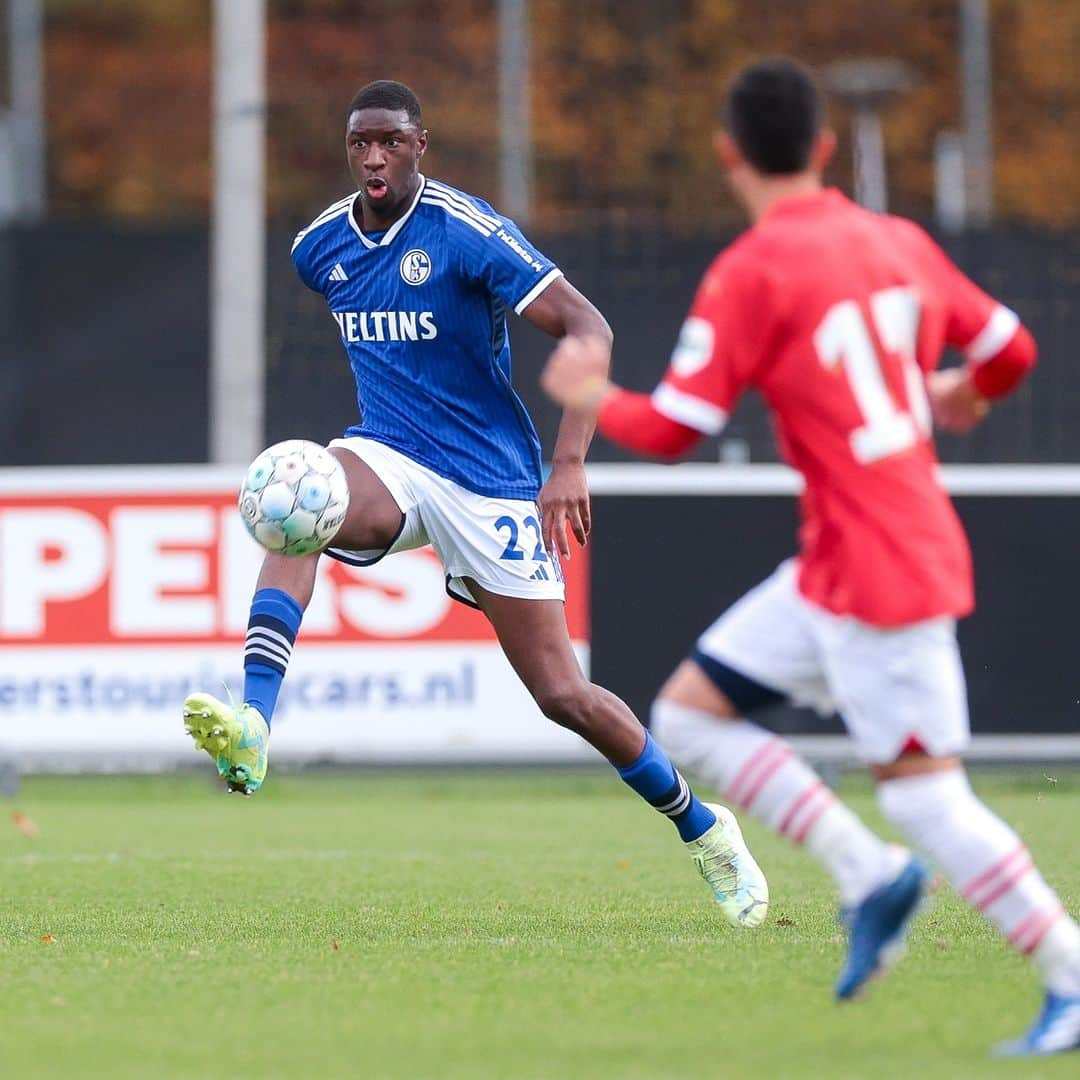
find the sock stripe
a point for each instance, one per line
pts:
(676, 806)
(270, 656)
(807, 807)
(263, 660)
(818, 807)
(1021, 871)
(1034, 928)
(777, 762)
(767, 749)
(1001, 877)
(267, 634)
(272, 624)
(987, 876)
(257, 643)
(767, 759)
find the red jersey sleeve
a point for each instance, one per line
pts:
(631, 420)
(719, 347)
(999, 351)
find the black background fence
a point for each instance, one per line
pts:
(105, 340)
(665, 567)
(104, 361)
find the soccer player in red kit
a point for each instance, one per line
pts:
(838, 317)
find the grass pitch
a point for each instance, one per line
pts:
(469, 925)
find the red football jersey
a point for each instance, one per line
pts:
(835, 315)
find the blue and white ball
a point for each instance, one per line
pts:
(294, 497)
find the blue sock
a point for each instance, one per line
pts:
(658, 782)
(272, 628)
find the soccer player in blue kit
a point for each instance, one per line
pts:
(418, 277)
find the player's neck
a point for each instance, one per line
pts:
(372, 221)
(768, 192)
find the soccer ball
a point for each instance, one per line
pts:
(294, 497)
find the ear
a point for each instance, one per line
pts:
(421, 144)
(726, 150)
(824, 148)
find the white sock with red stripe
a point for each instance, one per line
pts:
(989, 866)
(762, 774)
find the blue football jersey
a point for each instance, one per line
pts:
(421, 309)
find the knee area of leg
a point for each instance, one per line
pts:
(675, 724)
(932, 795)
(570, 706)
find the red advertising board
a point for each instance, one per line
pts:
(112, 580)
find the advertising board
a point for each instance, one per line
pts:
(123, 589)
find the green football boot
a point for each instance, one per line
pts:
(725, 862)
(235, 738)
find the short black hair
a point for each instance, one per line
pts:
(387, 94)
(774, 111)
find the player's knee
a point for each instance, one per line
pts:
(690, 687)
(569, 706)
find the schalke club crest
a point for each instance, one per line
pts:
(415, 267)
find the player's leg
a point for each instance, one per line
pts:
(923, 790)
(285, 584)
(904, 701)
(237, 738)
(930, 800)
(758, 653)
(534, 637)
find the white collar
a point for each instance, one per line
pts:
(388, 236)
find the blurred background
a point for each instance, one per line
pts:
(156, 159)
(588, 122)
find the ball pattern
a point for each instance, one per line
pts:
(294, 497)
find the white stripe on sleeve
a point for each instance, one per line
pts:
(431, 200)
(537, 289)
(692, 412)
(994, 336)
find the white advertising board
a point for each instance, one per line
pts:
(122, 590)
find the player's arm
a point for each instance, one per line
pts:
(563, 312)
(713, 360)
(999, 351)
(576, 376)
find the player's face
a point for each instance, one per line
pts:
(384, 151)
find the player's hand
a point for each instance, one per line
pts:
(955, 403)
(576, 374)
(564, 505)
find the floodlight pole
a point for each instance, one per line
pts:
(978, 116)
(237, 235)
(868, 86)
(26, 88)
(871, 187)
(515, 130)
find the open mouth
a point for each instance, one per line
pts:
(376, 188)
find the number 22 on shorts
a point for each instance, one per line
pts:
(512, 552)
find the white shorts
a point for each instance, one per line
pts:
(889, 685)
(498, 543)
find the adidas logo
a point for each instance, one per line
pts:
(338, 273)
(540, 574)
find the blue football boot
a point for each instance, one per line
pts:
(877, 928)
(1056, 1030)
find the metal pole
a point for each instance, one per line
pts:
(978, 117)
(869, 149)
(27, 106)
(238, 240)
(515, 135)
(950, 203)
